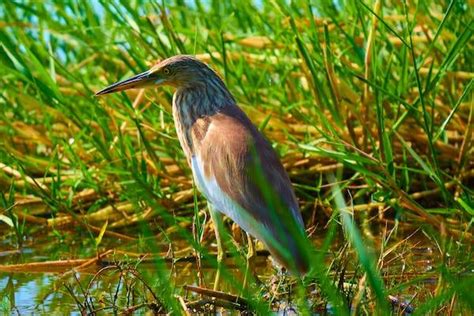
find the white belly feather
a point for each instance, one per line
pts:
(224, 204)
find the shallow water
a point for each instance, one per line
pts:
(46, 292)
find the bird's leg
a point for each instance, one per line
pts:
(250, 259)
(216, 217)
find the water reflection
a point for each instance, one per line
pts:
(46, 292)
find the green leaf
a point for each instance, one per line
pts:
(465, 205)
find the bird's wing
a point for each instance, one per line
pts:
(239, 172)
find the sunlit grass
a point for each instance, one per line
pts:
(370, 107)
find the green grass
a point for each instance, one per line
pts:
(370, 106)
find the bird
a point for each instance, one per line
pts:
(233, 165)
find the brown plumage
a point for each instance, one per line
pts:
(233, 165)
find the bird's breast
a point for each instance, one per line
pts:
(191, 122)
(182, 132)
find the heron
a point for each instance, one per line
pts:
(233, 165)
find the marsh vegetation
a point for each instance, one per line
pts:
(369, 106)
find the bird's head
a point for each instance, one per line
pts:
(180, 71)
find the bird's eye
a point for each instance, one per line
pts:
(166, 71)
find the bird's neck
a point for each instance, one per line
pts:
(201, 99)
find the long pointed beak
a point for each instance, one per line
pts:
(139, 81)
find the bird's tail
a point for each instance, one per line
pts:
(292, 252)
